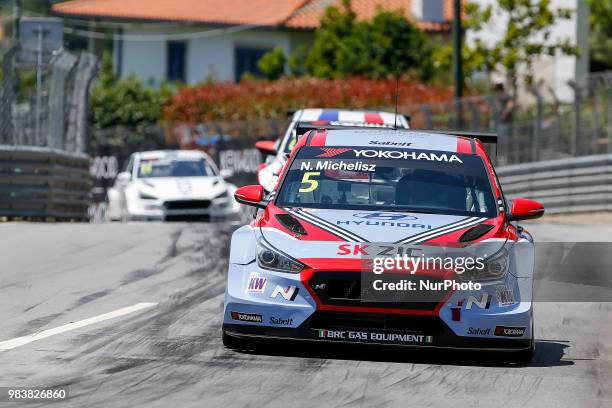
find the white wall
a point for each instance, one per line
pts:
(145, 59)
(554, 71)
(207, 56)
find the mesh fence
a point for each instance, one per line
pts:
(543, 129)
(46, 105)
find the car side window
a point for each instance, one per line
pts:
(211, 167)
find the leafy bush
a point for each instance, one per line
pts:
(297, 60)
(272, 64)
(249, 99)
(126, 103)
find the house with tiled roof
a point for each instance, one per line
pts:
(192, 40)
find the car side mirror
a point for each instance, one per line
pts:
(124, 178)
(266, 146)
(524, 209)
(251, 195)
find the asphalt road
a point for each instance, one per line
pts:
(170, 353)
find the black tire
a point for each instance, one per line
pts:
(232, 342)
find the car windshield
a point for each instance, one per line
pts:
(174, 168)
(389, 180)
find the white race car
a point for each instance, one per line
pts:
(171, 184)
(278, 151)
(314, 263)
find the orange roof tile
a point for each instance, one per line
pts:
(257, 12)
(298, 14)
(310, 15)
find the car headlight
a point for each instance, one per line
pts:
(268, 258)
(145, 196)
(493, 268)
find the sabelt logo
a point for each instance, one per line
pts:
(396, 154)
(280, 321)
(509, 331)
(476, 331)
(387, 143)
(246, 317)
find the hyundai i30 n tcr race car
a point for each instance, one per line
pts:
(278, 151)
(163, 184)
(305, 268)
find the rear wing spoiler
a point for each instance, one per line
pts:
(291, 111)
(489, 138)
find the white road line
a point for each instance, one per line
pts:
(20, 341)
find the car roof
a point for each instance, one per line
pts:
(348, 116)
(172, 154)
(391, 138)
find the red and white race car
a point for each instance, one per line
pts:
(350, 200)
(278, 151)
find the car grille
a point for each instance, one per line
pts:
(427, 325)
(187, 204)
(345, 289)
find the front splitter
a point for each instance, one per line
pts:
(448, 340)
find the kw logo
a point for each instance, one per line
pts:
(257, 283)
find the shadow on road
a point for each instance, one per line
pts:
(549, 353)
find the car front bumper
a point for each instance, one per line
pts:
(149, 209)
(458, 323)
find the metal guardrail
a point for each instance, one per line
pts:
(581, 184)
(43, 183)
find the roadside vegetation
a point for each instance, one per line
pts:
(351, 63)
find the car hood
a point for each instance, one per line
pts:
(405, 228)
(182, 188)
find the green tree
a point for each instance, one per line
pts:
(398, 46)
(335, 51)
(36, 6)
(388, 44)
(272, 64)
(528, 35)
(600, 39)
